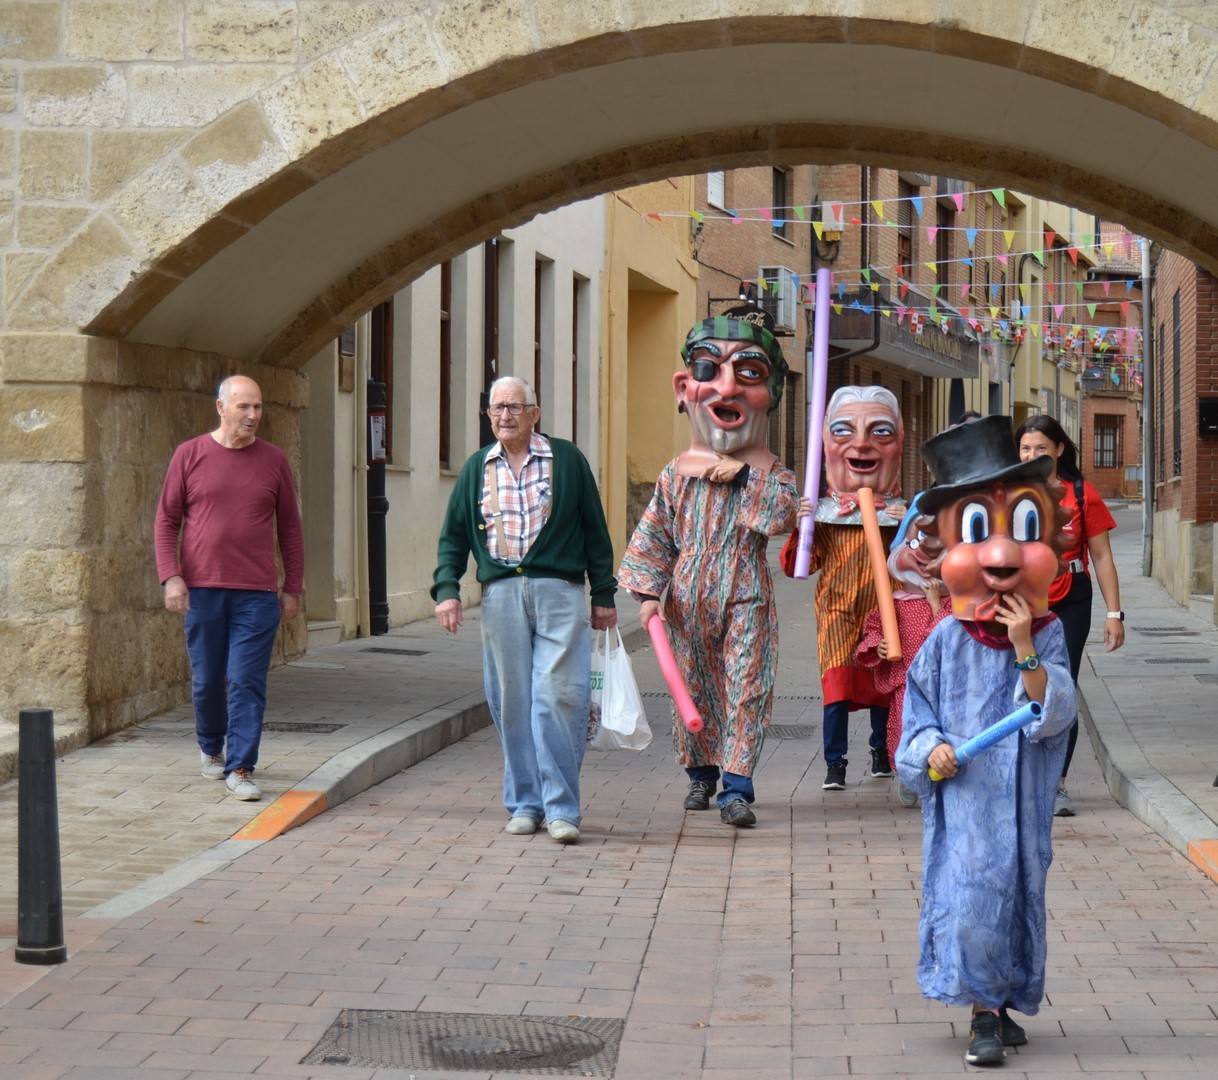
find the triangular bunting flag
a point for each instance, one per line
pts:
(1124, 307)
(1091, 309)
(837, 309)
(958, 199)
(971, 236)
(934, 289)
(1001, 257)
(1057, 310)
(1000, 197)
(931, 232)
(967, 261)
(866, 273)
(1009, 236)
(993, 311)
(1106, 286)
(818, 227)
(696, 216)
(918, 204)
(766, 214)
(1108, 250)
(1023, 290)
(1050, 236)
(878, 206)
(903, 289)
(653, 216)
(1072, 251)
(1078, 289)
(801, 213)
(932, 267)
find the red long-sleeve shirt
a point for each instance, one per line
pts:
(221, 503)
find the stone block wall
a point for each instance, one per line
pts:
(88, 428)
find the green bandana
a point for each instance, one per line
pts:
(733, 328)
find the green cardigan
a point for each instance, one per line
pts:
(574, 541)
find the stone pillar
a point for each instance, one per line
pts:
(87, 427)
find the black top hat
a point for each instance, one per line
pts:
(973, 455)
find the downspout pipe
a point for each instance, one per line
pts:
(1148, 400)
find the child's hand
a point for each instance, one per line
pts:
(943, 760)
(882, 649)
(805, 508)
(1013, 612)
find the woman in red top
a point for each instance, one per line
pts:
(1070, 594)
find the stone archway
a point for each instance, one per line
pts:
(245, 195)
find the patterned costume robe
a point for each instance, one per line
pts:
(845, 593)
(706, 543)
(915, 621)
(987, 832)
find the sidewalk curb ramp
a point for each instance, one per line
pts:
(1137, 785)
(348, 773)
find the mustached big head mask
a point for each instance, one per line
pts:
(993, 524)
(733, 378)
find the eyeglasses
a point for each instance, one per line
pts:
(513, 407)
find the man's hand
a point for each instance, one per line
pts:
(724, 470)
(1114, 634)
(177, 596)
(448, 615)
(647, 609)
(603, 618)
(943, 760)
(806, 509)
(289, 606)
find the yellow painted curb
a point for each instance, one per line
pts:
(1204, 854)
(292, 808)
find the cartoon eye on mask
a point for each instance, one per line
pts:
(1025, 521)
(974, 523)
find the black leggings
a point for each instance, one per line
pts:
(1074, 610)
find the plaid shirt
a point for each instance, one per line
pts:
(524, 503)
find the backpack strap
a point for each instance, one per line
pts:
(1080, 497)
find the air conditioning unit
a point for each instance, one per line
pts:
(832, 219)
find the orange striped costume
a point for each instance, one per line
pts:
(845, 594)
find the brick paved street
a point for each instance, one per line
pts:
(785, 951)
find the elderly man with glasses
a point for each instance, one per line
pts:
(527, 508)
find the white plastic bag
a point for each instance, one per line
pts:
(617, 720)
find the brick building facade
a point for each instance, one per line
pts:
(1185, 312)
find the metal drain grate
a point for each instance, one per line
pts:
(1206, 678)
(475, 1042)
(791, 731)
(653, 693)
(395, 652)
(1157, 629)
(304, 728)
(1176, 660)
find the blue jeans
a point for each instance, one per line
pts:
(837, 727)
(229, 636)
(735, 786)
(536, 649)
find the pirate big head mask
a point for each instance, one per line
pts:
(993, 523)
(733, 378)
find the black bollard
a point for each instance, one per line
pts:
(39, 885)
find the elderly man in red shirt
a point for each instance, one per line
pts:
(227, 495)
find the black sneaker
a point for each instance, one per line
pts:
(984, 1045)
(699, 796)
(835, 777)
(737, 813)
(880, 765)
(1009, 1031)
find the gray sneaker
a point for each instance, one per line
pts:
(907, 796)
(211, 768)
(1062, 806)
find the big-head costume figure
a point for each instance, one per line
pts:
(863, 441)
(701, 546)
(993, 528)
(921, 602)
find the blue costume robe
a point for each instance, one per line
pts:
(987, 832)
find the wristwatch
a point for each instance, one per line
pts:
(1116, 615)
(1029, 663)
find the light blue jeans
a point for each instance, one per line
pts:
(536, 648)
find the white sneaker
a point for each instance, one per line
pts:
(241, 784)
(563, 831)
(521, 826)
(212, 768)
